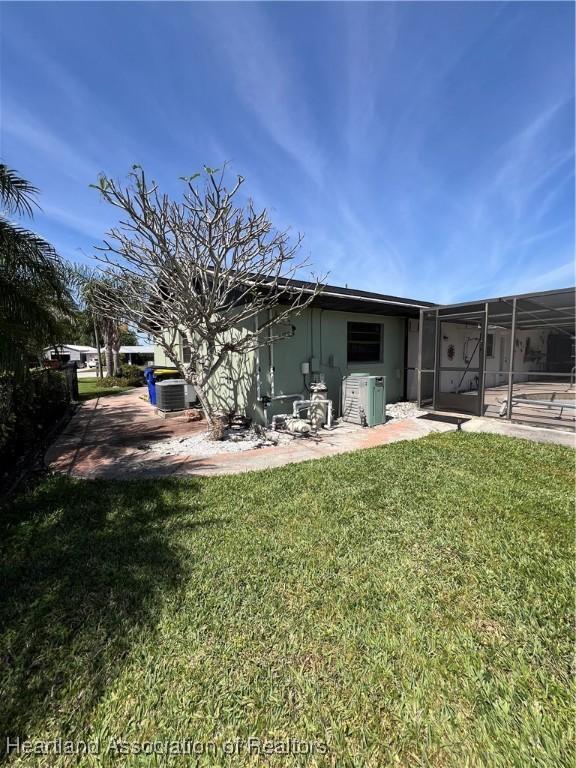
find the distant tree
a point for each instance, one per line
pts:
(82, 329)
(203, 267)
(127, 337)
(93, 285)
(36, 307)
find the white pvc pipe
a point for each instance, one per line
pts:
(258, 384)
(271, 347)
(287, 397)
(300, 405)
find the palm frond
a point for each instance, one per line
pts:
(36, 305)
(16, 194)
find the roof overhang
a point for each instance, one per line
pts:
(341, 299)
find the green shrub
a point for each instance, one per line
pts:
(130, 376)
(133, 374)
(29, 408)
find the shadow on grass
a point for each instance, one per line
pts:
(86, 569)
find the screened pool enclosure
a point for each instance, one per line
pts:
(511, 358)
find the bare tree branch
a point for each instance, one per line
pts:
(203, 266)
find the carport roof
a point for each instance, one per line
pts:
(75, 347)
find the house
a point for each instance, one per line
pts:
(342, 331)
(83, 355)
(138, 354)
(71, 353)
(510, 356)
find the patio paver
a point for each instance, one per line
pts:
(106, 436)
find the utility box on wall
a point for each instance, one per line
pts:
(364, 399)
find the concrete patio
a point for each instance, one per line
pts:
(106, 436)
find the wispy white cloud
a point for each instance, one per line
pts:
(87, 225)
(269, 81)
(368, 66)
(367, 147)
(563, 276)
(497, 230)
(28, 130)
(528, 161)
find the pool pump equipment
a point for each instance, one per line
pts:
(318, 406)
(364, 399)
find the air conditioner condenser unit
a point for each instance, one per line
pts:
(171, 395)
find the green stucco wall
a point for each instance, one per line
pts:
(320, 338)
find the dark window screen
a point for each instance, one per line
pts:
(364, 342)
(490, 345)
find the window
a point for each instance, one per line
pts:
(489, 345)
(185, 349)
(364, 342)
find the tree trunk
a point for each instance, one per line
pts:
(98, 356)
(116, 362)
(115, 341)
(205, 403)
(109, 360)
(192, 379)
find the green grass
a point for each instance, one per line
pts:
(408, 605)
(90, 387)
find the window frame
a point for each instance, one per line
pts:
(380, 343)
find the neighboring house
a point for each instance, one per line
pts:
(71, 353)
(139, 354)
(343, 331)
(83, 355)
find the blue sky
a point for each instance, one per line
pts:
(423, 149)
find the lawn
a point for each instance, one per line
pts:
(409, 605)
(90, 386)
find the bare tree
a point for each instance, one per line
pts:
(203, 267)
